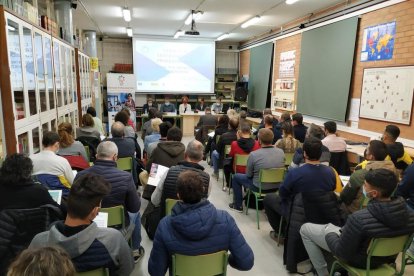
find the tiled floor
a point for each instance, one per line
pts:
(268, 257)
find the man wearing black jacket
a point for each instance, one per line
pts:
(385, 216)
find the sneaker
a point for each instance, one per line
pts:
(224, 189)
(138, 254)
(234, 208)
(274, 236)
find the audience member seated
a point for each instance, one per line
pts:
(146, 128)
(385, 216)
(277, 132)
(164, 127)
(288, 143)
(167, 187)
(17, 189)
(52, 170)
(243, 146)
(88, 245)
(123, 191)
(352, 195)
(150, 104)
(396, 150)
(331, 140)
(298, 160)
(123, 117)
(88, 128)
(207, 120)
(221, 128)
(97, 123)
(298, 127)
(127, 146)
(312, 176)
(217, 156)
(51, 261)
(167, 154)
(167, 106)
(68, 145)
(232, 113)
(242, 118)
(266, 157)
(155, 136)
(201, 106)
(267, 111)
(217, 107)
(196, 227)
(184, 107)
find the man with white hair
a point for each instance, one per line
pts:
(123, 191)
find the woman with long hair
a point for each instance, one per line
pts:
(88, 128)
(68, 145)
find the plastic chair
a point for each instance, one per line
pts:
(201, 265)
(364, 202)
(288, 159)
(239, 160)
(169, 204)
(88, 153)
(96, 272)
(276, 176)
(116, 215)
(227, 149)
(124, 164)
(379, 247)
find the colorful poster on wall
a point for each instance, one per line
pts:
(120, 94)
(378, 42)
(287, 65)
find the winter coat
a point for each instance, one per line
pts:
(196, 229)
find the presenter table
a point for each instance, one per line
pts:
(144, 118)
(190, 120)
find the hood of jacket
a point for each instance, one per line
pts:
(191, 165)
(76, 244)
(194, 221)
(395, 150)
(386, 164)
(246, 144)
(172, 148)
(393, 214)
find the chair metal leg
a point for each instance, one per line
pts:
(230, 184)
(280, 231)
(248, 201)
(257, 211)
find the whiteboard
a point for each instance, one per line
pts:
(387, 94)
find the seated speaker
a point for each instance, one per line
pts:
(241, 91)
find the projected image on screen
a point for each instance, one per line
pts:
(165, 66)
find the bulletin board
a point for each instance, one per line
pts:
(387, 94)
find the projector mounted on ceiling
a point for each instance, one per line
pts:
(193, 30)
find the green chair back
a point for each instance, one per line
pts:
(380, 247)
(217, 138)
(201, 265)
(116, 215)
(288, 158)
(124, 163)
(227, 149)
(364, 202)
(240, 160)
(88, 153)
(95, 272)
(169, 204)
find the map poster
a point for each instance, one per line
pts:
(378, 42)
(287, 65)
(387, 94)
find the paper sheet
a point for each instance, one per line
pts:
(354, 110)
(56, 195)
(155, 175)
(101, 220)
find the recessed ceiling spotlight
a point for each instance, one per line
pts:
(127, 14)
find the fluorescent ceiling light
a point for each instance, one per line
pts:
(250, 22)
(193, 15)
(11, 28)
(178, 34)
(127, 14)
(223, 36)
(129, 31)
(290, 2)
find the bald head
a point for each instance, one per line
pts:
(117, 129)
(194, 151)
(106, 150)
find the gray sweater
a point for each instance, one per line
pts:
(75, 149)
(264, 158)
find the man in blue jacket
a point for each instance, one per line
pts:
(196, 227)
(123, 191)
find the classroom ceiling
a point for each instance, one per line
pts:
(165, 17)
